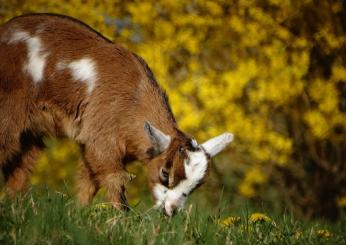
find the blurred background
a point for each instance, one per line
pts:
(273, 72)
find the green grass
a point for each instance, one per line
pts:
(46, 217)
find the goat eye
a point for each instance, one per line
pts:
(164, 174)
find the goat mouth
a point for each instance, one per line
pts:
(168, 211)
(170, 214)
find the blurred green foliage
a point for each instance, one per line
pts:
(272, 72)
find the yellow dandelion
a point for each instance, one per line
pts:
(232, 220)
(324, 233)
(259, 217)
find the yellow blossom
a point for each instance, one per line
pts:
(232, 220)
(259, 217)
(246, 189)
(342, 202)
(318, 123)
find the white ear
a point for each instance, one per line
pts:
(217, 144)
(159, 140)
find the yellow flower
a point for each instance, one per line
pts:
(318, 123)
(246, 189)
(259, 217)
(324, 233)
(232, 220)
(342, 202)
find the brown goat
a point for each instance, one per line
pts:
(58, 78)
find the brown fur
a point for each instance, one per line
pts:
(108, 124)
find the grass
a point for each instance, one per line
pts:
(46, 217)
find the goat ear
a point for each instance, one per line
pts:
(217, 144)
(158, 139)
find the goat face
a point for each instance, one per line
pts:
(181, 166)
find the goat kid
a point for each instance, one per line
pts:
(60, 78)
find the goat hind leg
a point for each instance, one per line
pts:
(18, 170)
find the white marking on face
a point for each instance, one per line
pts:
(196, 166)
(159, 192)
(60, 66)
(83, 70)
(194, 143)
(36, 57)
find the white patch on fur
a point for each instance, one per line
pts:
(36, 57)
(195, 168)
(37, 61)
(84, 70)
(19, 36)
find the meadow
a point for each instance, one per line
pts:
(42, 216)
(271, 72)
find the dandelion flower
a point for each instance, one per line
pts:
(232, 220)
(259, 217)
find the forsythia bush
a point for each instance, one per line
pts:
(57, 164)
(272, 72)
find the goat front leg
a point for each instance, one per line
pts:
(114, 185)
(87, 183)
(107, 173)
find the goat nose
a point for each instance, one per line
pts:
(170, 209)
